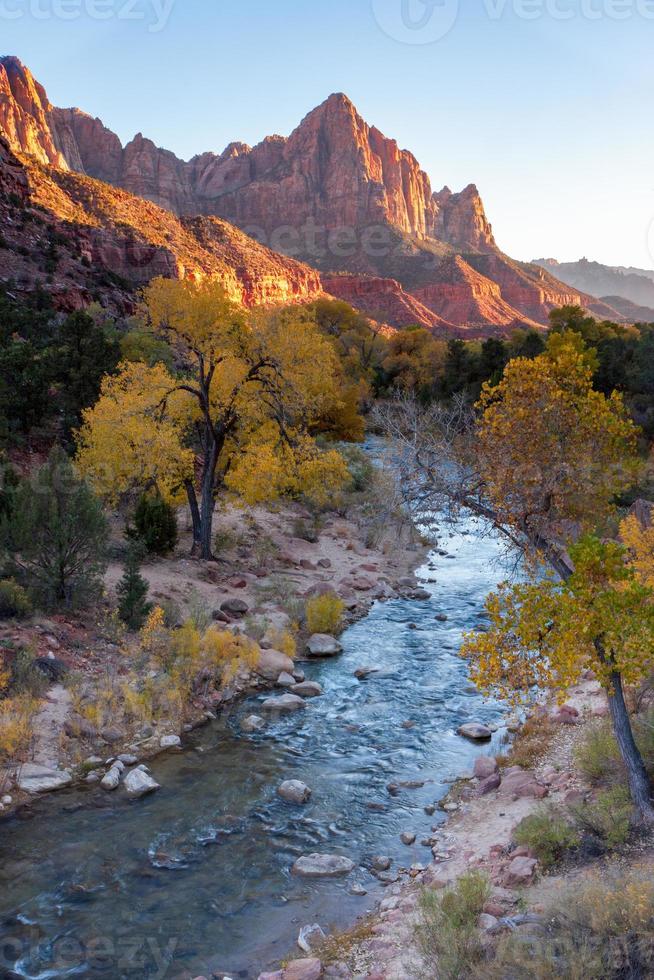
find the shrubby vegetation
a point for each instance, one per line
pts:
(599, 929)
(448, 938)
(324, 613)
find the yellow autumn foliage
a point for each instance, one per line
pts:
(553, 452)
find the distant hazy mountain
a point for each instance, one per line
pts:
(635, 285)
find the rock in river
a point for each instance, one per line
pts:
(285, 702)
(41, 779)
(307, 689)
(139, 783)
(272, 663)
(111, 780)
(170, 742)
(323, 645)
(475, 732)
(253, 723)
(294, 791)
(322, 866)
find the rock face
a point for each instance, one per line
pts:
(336, 194)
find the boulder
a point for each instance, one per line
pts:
(253, 723)
(234, 607)
(567, 714)
(488, 784)
(310, 937)
(520, 871)
(408, 837)
(111, 779)
(322, 866)
(284, 703)
(323, 645)
(475, 731)
(310, 969)
(285, 680)
(272, 663)
(307, 689)
(487, 923)
(485, 766)
(294, 791)
(170, 742)
(518, 784)
(138, 783)
(33, 778)
(380, 863)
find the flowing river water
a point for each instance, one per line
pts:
(196, 878)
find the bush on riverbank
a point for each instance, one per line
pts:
(548, 835)
(324, 613)
(448, 938)
(602, 929)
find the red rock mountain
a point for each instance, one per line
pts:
(336, 194)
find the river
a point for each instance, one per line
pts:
(196, 878)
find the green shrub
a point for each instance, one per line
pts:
(14, 600)
(602, 929)
(548, 835)
(155, 525)
(324, 613)
(26, 678)
(607, 818)
(447, 934)
(597, 754)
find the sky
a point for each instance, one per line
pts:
(546, 105)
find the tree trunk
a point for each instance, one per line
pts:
(207, 500)
(639, 784)
(195, 516)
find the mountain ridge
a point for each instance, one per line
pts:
(336, 195)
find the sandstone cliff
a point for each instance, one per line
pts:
(336, 194)
(83, 241)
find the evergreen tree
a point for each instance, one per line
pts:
(56, 535)
(155, 525)
(132, 591)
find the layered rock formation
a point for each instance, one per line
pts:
(83, 241)
(336, 194)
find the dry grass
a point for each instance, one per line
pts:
(531, 743)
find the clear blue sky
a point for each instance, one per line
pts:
(550, 117)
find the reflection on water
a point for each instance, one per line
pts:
(195, 878)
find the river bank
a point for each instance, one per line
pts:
(207, 858)
(482, 809)
(264, 574)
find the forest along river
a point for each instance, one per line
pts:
(196, 878)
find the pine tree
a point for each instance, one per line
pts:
(132, 591)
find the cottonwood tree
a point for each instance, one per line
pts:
(541, 459)
(237, 414)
